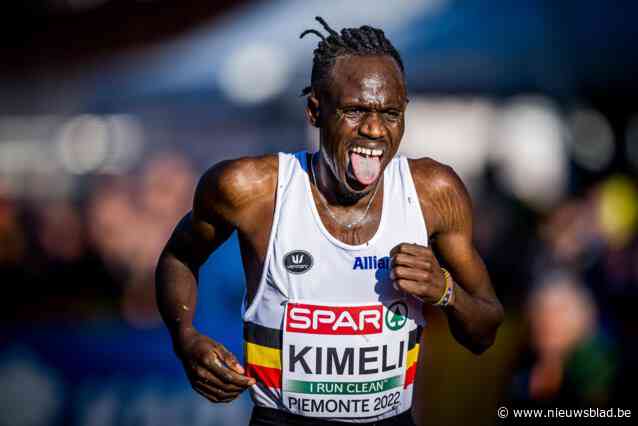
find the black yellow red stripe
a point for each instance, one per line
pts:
(411, 363)
(262, 349)
(413, 356)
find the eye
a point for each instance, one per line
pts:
(392, 115)
(354, 113)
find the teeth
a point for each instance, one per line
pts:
(368, 152)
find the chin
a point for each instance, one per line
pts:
(349, 195)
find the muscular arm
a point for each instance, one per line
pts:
(226, 199)
(196, 236)
(475, 312)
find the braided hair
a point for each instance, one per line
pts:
(362, 41)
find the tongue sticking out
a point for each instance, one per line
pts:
(366, 169)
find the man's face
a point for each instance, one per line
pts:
(361, 116)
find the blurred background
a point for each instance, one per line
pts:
(111, 109)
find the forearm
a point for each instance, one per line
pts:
(212, 370)
(176, 293)
(474, 320)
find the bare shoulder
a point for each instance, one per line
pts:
(230, 187)
(444, 198)
(435, 178)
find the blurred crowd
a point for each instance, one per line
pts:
(567, 275)
(93, 257)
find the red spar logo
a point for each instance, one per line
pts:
(348, 320)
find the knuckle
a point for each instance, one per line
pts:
(211, 358)
(402, 271)
(201, 357)
(202, 373)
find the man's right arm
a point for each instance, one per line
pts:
(224, 199)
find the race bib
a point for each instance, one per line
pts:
(344, 360)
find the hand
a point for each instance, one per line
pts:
(416, 271)
(213, 371)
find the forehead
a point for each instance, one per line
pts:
(366, 78)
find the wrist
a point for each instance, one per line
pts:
(182, 336)
(454, 293)
(447, 298)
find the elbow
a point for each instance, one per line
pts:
(477, 344)
(487, 339)
(480, 346)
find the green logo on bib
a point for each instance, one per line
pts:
(396, 316)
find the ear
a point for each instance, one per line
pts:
(312, 110)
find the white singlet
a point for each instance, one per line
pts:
(327, 335)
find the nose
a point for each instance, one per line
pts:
(372, 127)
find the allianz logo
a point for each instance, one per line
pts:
(371, 262)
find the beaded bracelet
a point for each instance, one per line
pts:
(449, 290)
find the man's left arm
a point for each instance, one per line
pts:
(474, 312)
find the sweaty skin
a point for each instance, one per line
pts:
(362, 105)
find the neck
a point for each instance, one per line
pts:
(335, 192)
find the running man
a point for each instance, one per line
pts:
(342, 249)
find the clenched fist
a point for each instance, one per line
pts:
(212, 370)
(416, 271)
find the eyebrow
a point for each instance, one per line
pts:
(366, 106)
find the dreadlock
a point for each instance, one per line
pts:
(362, 41)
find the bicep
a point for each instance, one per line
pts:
(194, 239)
(457, 254)
(453, 240)
(206, 226)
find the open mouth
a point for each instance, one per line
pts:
(364, 167)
